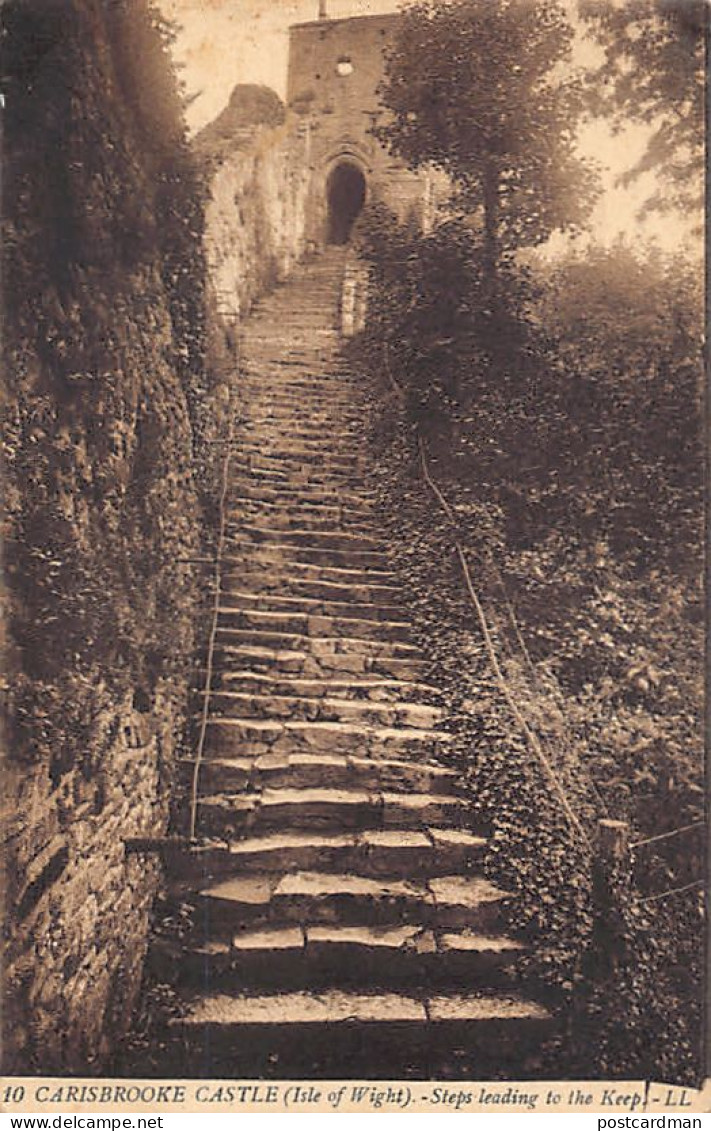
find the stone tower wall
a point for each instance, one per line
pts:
(342, 109)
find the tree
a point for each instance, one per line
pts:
(653, 73)
(477, 89)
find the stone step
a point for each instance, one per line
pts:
(312, 540)
(399, 853)
(272, 441)
(329, 453)
(272, 400)
(314, 384)
(314, 479)
(316, 645)
(252, 737)
(286, 553)
(269, 337)
(277, 414)
(260, 468)
(228, 815)
(288, 957)
(320, 771)
(296, 500)
(322, 666)
(241, 704)
(312, 606)
(317, 359)
(275, 517)
(375, 690)
(271, 456)
(270, 501)
(292, 625)
(337, 466)
(282, 501)
(313, 580)
(440, 903)
(303, 365)
(345, 1035)
(309, 427)
(339, 493)
(323, 476)
(269, 370)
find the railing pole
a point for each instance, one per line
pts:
(611, 872)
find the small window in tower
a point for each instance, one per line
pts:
(344, 66)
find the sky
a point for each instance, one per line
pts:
(226, 42)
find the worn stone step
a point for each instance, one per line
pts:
(271, 401)
(289, 553)
(242, 704)
(321, 771)
(282, 436)
(338, 1034)
(303, 437)
(296, 499)
(327, 897)
(304, 514)
(273, 417)
(399, 853)
(307, 481)
(266, 388)
(318, 645)
(288, 520)
(313, 606)
(225, 814)
(300, 503)
(323, 665)
(312, 539)
(299, 456)
(311, 580)
(306, 956)
(306, 425)
(254, 737)
(291, 626)
(314, 372)
(374, 690)
(295, 470)
(310, 408)
(310, 476)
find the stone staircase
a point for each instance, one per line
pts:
(338, 921)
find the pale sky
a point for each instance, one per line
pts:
(225, 42)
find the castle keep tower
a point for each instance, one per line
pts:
(335, 66)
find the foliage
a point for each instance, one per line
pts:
(476, 89)
(653, 73)
(564, 425)
(435, 315)
(106, 391)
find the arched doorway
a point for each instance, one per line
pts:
(345, 193)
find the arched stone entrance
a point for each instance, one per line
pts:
(345, 195)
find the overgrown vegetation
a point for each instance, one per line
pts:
(109, 374)
(561, 414)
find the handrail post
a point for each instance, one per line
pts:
(610, 880)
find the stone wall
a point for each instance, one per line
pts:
(104, 511)
(335, 69)
(258, 162)
(80, 908)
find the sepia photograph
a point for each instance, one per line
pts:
(353, 549)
